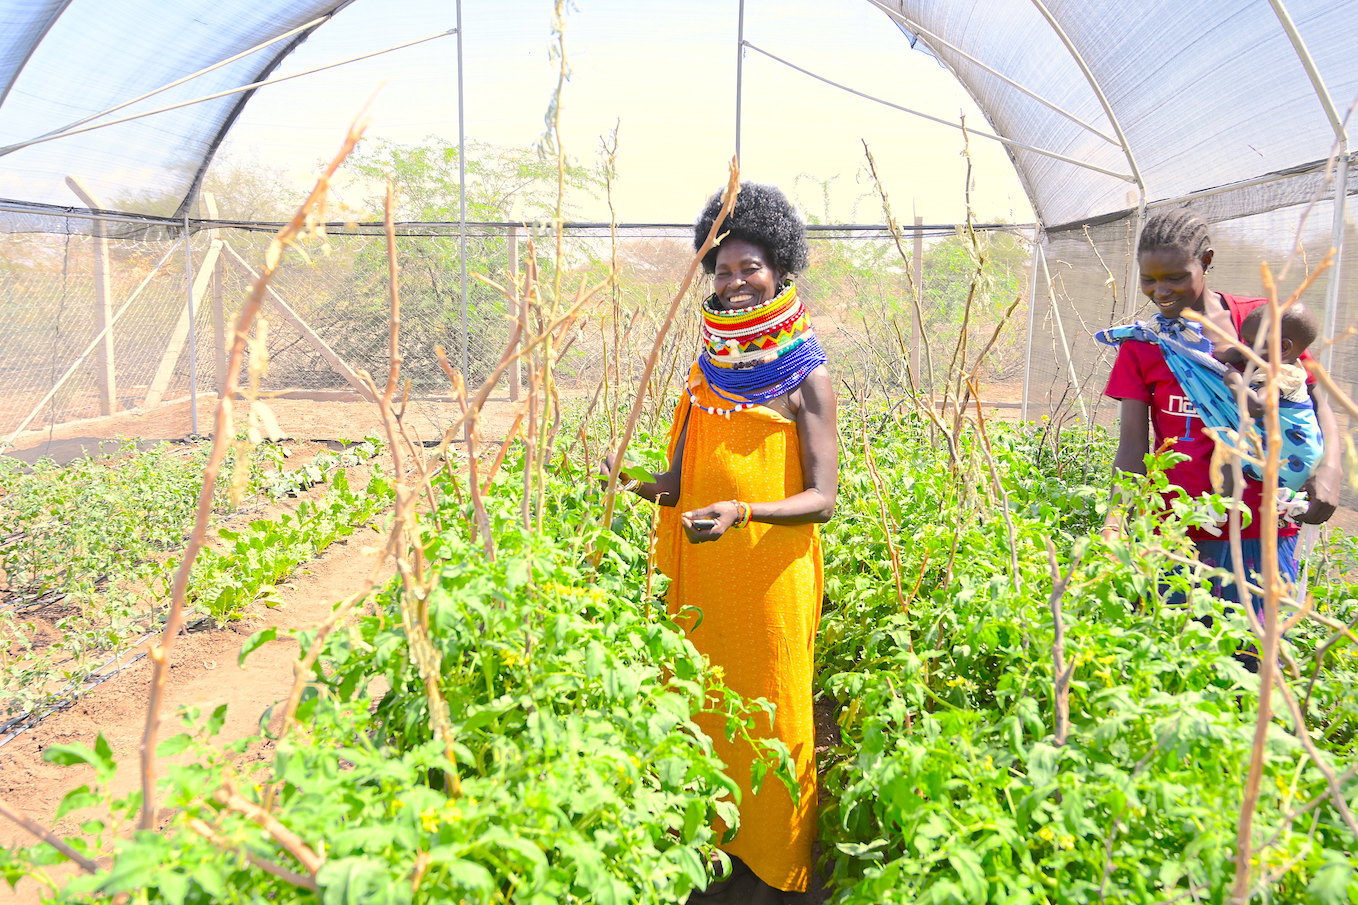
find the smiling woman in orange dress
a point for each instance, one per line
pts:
(754, 469)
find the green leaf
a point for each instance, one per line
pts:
(173, 745)
(74, 800)
(216, 720)
(174, 887)
(1331, 882)
(970, 872)
(636, 473)
(101, 758)
(255, 642)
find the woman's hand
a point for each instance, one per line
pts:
(1322, 489)
(605, 469)
(710, 522)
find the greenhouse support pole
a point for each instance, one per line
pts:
(462, 196)
(1341, 190)
(1032, 321)
(1134, 283)
(740, 71)
(103, 304)
(193, 327)
(515, 372)
(219, 346)
(1341, 137)
(1071, 375)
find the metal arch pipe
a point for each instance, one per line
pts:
(740, 72)
(936, 40)
(1098, 93)
(28, 55)
(253, 86)
(188, 78)
(1309, 64)
(943, 122)
(1341, 135)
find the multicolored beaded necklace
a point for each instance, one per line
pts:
(752, 355)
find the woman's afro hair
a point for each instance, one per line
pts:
(762, 216)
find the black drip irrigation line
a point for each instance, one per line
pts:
(17, 726)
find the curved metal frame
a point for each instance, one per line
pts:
(32, 48)
(234, 113)
(1341, 189)
(932, 40)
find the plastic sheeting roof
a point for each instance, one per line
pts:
(1106, 105)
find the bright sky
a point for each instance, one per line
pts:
(666, 74)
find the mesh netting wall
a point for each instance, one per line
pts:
(1092, 268)
(328, 319)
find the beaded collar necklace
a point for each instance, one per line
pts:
(752, 355)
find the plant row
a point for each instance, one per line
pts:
(101, 614)
(507, 723)
(953, 784)
(555, 759)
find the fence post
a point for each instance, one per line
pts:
(516, 372)
(1032, 320)
(218, 306)
(103, 306)
(918, 331)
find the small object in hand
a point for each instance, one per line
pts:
(704, 524)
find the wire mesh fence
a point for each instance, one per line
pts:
(82, 338)
(77, 345)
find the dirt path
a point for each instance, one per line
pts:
(204, 669)
(204, 673)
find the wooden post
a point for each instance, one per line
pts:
(917, 333)
(516, 372)
(337, 364)
(179, 337)
(218, 309)
(103, 306)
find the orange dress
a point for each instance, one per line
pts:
(759, 591)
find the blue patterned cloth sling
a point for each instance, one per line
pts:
(1188, 353)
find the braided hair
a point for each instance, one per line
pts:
(1180, 229)
(762, 216)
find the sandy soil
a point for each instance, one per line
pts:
(314, 416)
(204, 673)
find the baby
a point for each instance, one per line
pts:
(1302, 441)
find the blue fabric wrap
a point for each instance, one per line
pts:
(1188, 353)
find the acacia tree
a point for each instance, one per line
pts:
(504, 185)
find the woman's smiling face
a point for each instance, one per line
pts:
(744, 275)
(1174, 280)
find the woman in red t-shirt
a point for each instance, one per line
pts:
(1173, 254)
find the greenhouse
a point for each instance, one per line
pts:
(353, 433)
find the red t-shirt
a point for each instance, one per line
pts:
(1140, 372)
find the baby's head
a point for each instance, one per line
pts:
(1299, 330)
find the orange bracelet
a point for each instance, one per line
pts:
(745, 513)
